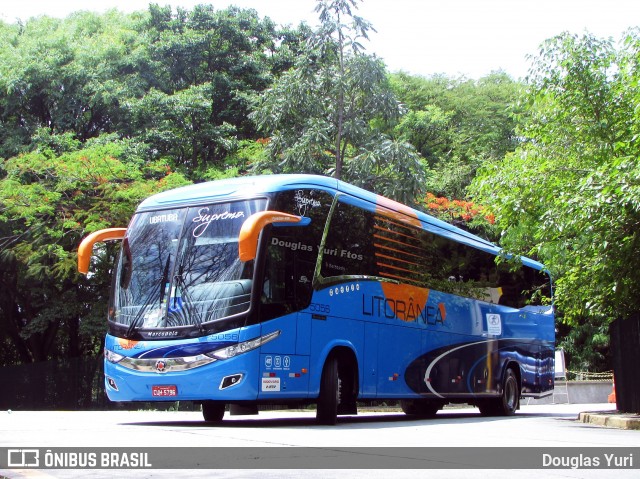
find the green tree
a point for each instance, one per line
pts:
(570, 194)
(342, 38)
(179, 82)
(66, 75)
(456, 124)
(203, 67)
(50, 200)
(322, 116)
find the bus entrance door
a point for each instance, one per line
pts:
(283, 370)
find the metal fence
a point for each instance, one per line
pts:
(589, 376)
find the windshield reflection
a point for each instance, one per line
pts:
(181, 268)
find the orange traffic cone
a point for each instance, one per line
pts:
(612, 396)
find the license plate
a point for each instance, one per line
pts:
(164, 391)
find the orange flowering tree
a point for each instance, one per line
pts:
(462, 213)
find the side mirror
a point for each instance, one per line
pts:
(86, 246)
(253, 226)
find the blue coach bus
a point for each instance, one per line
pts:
(299, 289)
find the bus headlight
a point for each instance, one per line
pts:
(112, 357)
(244, 347)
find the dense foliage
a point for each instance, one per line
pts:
(51, 197)
(457, 125)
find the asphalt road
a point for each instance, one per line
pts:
(535, 426)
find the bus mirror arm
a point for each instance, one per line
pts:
(253, 226)
(86, 246)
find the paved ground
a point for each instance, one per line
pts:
(456, 431)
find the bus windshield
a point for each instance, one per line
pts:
(180, 267)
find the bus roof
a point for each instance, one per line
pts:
(252, 186)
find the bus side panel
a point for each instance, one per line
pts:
(398, 346)
(537, 366)
(282, 372)
(533, 333)
(436, 365)
(303, 336)
(369, 367)
(452, 369)
(473, 367)
(283, 376)
(468, 356)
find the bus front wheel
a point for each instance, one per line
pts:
(213, 411)
(329, 398)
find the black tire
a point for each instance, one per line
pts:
(508, 402)
(213, 411)
(510, 394)
(329, 398)
(420, 407)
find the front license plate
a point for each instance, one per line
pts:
(164, 391)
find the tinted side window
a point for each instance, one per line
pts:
(408, 254)
(362, 242)
(292, 252)
(349, 248)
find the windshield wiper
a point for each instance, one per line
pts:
(163, 281)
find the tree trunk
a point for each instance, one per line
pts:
(625, 348)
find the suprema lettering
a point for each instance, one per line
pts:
(204, 219)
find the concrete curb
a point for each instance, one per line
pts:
(611, 419)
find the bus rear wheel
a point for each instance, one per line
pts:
(213, 411)
(508, 402)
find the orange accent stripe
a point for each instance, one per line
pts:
(398, 268)
(401, 278)
(388, 248)
(407, 226)
(380, 255)
(397, 242)
(397, 210)
(387, 230)
(443, 311)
